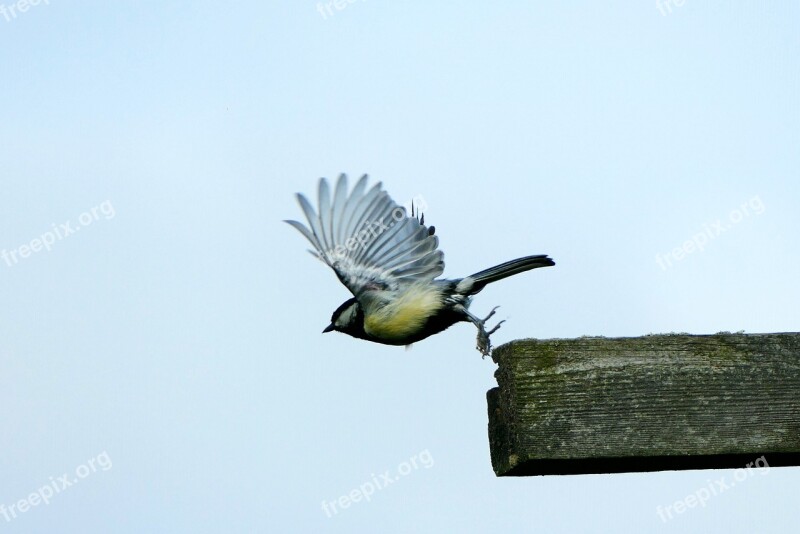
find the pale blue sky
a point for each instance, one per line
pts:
(180, 336)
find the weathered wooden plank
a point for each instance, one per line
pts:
(651, 403)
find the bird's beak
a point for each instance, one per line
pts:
(328, 328)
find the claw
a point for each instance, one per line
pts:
(484, 344)
(490, 315)
(496, 327)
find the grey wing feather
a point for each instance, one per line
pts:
(368, 239)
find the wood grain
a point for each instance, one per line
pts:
(657, 402)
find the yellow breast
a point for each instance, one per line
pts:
(405, 315)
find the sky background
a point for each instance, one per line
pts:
(166, 350)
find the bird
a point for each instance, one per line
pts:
(390, 261)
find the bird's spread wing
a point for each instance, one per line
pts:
(368, 239)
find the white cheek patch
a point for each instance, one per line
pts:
(346, 317)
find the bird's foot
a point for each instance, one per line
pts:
(484, 344)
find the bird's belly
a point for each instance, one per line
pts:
(403, 320)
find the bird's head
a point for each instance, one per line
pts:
(347, 318)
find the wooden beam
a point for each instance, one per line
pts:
(651, 403)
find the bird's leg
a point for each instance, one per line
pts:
(484, 345)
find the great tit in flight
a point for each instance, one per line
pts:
(389, 261)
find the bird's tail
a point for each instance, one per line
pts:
(474, 283)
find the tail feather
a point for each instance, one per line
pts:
(480, 279)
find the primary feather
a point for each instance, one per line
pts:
(368, 239)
